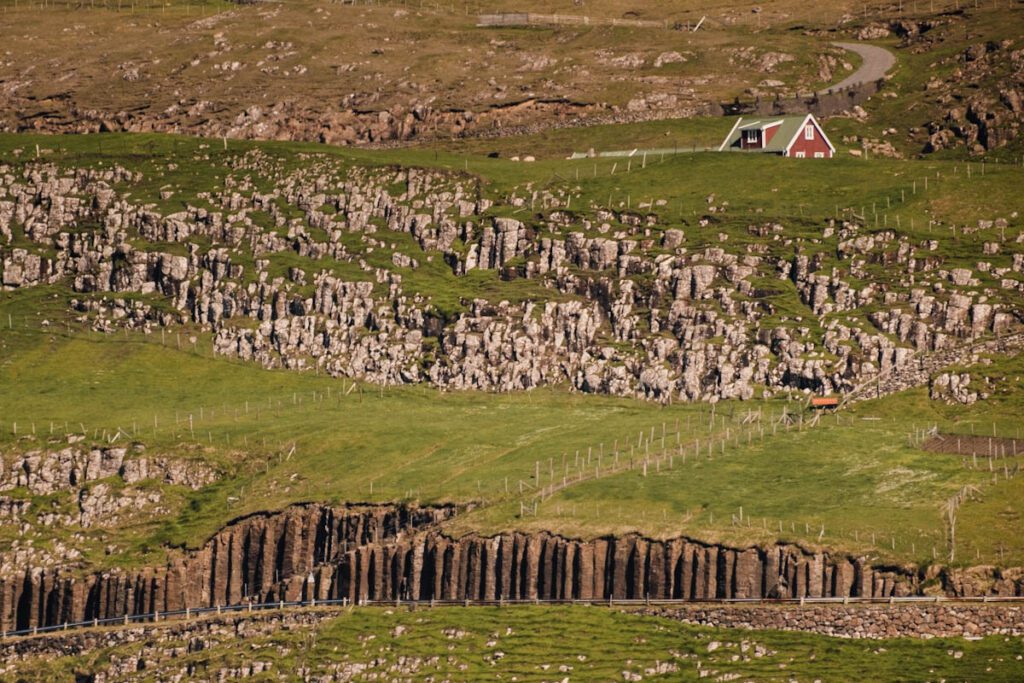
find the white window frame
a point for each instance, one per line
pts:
(809, 131)
(819, 155)
(800, 154)
(751, 136)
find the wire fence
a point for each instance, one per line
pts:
(345, 603)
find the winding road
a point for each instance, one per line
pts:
(877, 62)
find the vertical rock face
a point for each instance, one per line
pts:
(387, 553)
(284, 556)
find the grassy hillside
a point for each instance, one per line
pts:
(856, 483)
(531, 644)
(173, 56)
(916, 196)
(193, 67)
(283, 437)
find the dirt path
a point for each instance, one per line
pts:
(877, 62)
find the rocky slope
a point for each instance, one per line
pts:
(972, 91)
(405, 74)
(629, 309)
(65, 493)
(984, 99)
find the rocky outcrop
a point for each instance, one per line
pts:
(360, 553)
(102, 487)
(633, 310)
(983, 99)
(45, 472)
(344, 126)
(158, 650)
(952, 388)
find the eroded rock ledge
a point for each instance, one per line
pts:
(363, 552)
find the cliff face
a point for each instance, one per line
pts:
(386, 553)
(264, 556)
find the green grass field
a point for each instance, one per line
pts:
(283, 437)
(922, 199)
(549, 460)
(551, 643)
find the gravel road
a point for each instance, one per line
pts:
(877, 62)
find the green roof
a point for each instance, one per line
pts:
(788, 127)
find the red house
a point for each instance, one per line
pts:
(789, 136)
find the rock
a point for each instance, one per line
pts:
(952, 388)
(671, 57)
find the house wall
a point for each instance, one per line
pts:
(750, 145)
(809, 147)
(769, 134)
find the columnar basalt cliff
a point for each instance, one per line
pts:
(364, 553)
(270, 556)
